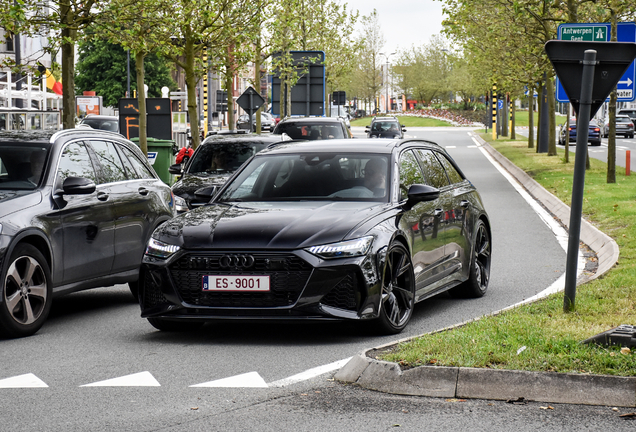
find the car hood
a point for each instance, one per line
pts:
(190, 183)
(12, 201)
(266, 225)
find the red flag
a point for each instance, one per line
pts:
(57, 88)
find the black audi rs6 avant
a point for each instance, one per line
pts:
(329, 230)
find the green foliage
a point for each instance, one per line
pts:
(102, 67)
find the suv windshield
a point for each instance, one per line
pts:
(103, 124)
(222, 158)
(311, 131)
(21, 165)
(313, 176)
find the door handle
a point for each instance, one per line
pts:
(143, 191)
(102, 196)
(438, 212)
(464, 203)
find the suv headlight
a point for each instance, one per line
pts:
(160, 249)
(344, 249)
(180, 204)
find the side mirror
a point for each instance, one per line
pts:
(78, 186)
(420, 193)
(367, 129)
(205, 194)
(403, 128)
(175, 169)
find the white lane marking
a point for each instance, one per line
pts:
(560, 233)
(250, 379)
(310, 373)
(141, 379)
(450, 146)
(22, 381)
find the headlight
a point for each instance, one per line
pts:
(344, 249)
(160, 249)
(180, 204)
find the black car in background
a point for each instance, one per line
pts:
(568, 132)
(385, 127)
(313, 128)
(267, 122)
(335, 230)
(213, 162)
(76, 210)
(101, 122)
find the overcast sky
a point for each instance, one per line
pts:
(404, 22)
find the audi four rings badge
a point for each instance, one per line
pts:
(230, 261)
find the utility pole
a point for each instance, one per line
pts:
(386, 82)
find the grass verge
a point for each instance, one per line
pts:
(406, 121)
(540, 336)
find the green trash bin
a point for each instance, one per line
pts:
(160, 156)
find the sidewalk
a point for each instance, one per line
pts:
(459, 382)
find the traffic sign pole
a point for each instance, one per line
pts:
(576, 208)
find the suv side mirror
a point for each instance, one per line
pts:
(78, 186)
(420, 193)
(175, 169)
(367, 128)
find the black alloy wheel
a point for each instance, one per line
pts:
(479, 273)
(398, 290)
(27, 295)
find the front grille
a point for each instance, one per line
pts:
(343, 295)
(288, 276)
(152, 295)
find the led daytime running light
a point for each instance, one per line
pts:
(347, 248)
(160, 249)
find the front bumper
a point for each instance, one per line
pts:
(302, 287)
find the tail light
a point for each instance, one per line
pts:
(570, 128)
(596, 129)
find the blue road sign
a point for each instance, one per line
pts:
(625, 32)
(500, 104)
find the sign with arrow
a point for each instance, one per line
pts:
(600, 32)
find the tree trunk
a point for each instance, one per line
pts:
(539, 109)
(551, 118)
(257, 82)
(191, 86)
(68, 76)
(611, 142)
(531, 116)
(141, 101)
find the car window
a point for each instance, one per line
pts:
(312, 131)
(130, 170)
(75, 162)
(410, 173)
(315, 176)
(103, 124)
(433, 169)
(112, 168)
(140, 167)
(21, 166)
(453, 175)
(214, 159)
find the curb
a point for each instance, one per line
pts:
(478, 383)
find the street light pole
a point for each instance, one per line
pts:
(386, 83)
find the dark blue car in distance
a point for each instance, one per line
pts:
(593, 137)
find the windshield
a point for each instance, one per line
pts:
(21, 165)
(224, 158)
(316, 176)
(311, 131)
(103, 124)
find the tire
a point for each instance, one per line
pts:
(479, 274)
(27, 294)
(398, 291)
(174, 326)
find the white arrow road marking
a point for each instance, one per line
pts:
(141, 379)
(628, 82)
(311, 373)
(22, 381)
(250, 379)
